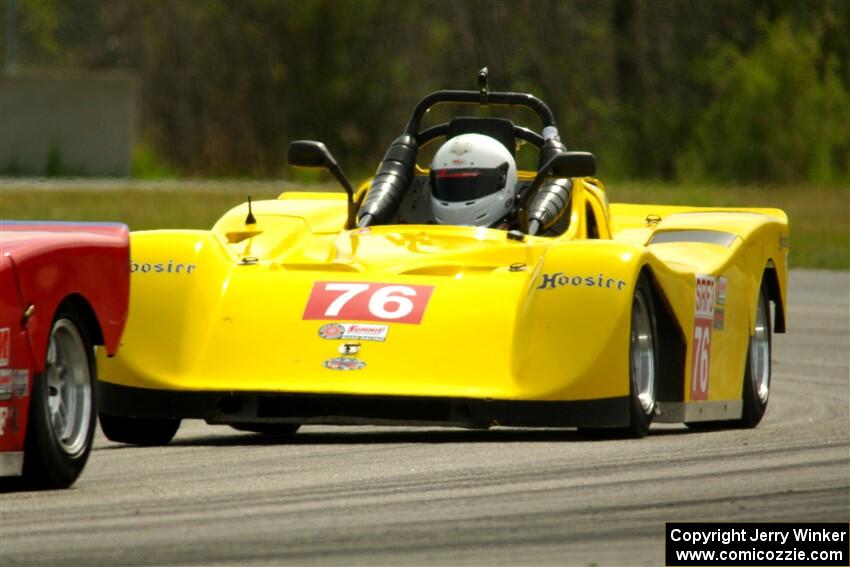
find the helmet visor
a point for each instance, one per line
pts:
(454, 185)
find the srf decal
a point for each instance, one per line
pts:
(365, 301)
(703, 321)
(5, 346)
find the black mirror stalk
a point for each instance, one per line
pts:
(308, 153)
(560, 165)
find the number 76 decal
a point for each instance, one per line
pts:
(364, 301)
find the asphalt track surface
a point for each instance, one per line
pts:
(408, 496)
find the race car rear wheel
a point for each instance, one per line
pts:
(63, 407)
(756, 384)
(271, 429)
(145, 432)
(758, 369)
(643, 367)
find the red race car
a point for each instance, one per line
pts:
(64, 287)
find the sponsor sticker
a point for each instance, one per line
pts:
(368, 301)
(560, 279)
(5, 384)
(703, 322)
(344, 363)
(349, 348)
(14, 383)
(8, 420)
(720, 304)
(331, 331)
(20, 383)
(5, 345)
(354, 331)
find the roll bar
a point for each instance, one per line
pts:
(483, 97)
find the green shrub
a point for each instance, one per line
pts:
(148, 165)
(778, 113)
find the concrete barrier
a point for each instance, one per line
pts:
(67, 124)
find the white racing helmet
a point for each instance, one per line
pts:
(473, 181)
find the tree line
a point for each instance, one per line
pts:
(720, 90)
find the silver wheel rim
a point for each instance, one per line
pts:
(68, 387)
(642, 354)
(760, 352)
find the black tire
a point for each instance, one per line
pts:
(643, 368)
(141, 431)
(757, 373)
(63, 407)
(270, 429)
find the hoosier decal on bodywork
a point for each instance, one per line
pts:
(560, 279)
(703, 322)
(365, 301)
(169, 267)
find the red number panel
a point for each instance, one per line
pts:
(364, 301)
(703, 322)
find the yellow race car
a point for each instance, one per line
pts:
(464, 291)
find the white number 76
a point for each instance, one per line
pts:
(383, 297)
(351, 290)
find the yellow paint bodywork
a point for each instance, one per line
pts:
(502, 322)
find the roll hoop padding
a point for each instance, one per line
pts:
(550, 202)
(391, 181)
(550, 148)
(552, 198)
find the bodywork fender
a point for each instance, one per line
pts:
(172, 270)
(579, 305)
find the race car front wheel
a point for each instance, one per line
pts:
(643, 367)
(63, 407)
(145, 432)
(643, 360)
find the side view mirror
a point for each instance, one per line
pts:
(569, 164)
(308, 153)
(562, 164)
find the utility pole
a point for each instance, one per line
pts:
(10, 60)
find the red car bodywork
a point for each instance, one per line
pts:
(45, 265)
